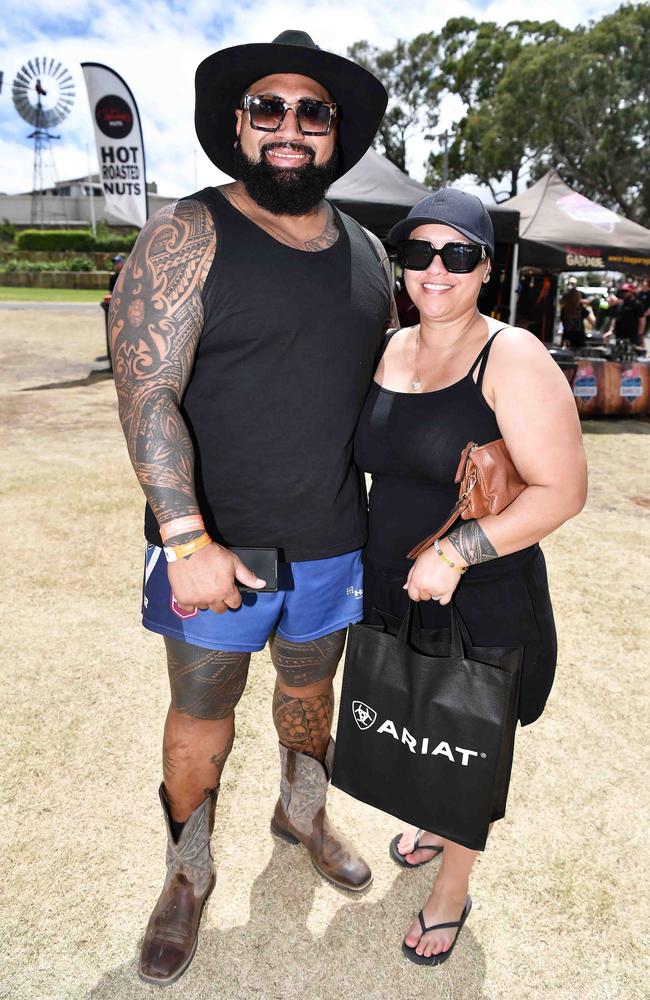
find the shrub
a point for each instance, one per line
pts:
(73, 264)
(55, 239)
(7, 232)
(111, 244)
(73, 239)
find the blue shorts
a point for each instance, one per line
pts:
(314, 598)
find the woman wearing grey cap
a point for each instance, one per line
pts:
(459, 376)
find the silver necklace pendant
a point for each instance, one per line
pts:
(416, 384)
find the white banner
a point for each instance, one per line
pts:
(120, 150)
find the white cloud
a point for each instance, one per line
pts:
(156, 46)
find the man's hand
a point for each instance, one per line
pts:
(206, 579)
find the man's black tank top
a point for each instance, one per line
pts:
(288, 350)
(411, 443)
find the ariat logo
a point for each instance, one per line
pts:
(365, 717)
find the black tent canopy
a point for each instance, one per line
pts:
(378, 194)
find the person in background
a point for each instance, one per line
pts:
(574, 314)
(643, 296)
(570, 285)
(629, 316)
(118, 263)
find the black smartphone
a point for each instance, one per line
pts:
(262, 562)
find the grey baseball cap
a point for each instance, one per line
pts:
(449, 207)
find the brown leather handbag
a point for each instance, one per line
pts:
(489, 482)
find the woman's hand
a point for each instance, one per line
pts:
(430, 579)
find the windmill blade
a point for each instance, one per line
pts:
(35, 78)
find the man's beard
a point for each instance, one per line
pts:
(285, 190)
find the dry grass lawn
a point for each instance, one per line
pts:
(561, 907)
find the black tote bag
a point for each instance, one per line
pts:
(426, 726)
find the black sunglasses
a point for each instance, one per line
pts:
(458, 258)
(267, 112)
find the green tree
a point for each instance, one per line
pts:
(594, 92)
(493, 137)
(410, 73)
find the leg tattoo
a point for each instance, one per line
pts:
(218, 759)
(301, 664)
(194, 755)
(205, 683)
(303, 702)
(304, 724)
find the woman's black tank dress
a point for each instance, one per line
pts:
(411, 444)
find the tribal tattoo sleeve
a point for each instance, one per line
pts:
(156, 319)
(471, 542)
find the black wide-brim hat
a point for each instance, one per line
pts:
(222, 79)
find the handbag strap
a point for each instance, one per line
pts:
(427, 542)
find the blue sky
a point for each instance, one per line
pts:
(156, 46)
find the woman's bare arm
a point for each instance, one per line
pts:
(537, 416)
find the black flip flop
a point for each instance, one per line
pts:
(412, 954)
(400, 859)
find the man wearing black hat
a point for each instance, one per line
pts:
(244, 335)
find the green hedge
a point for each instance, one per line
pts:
(73, 264)
(72, 239)
(113, 243)
(7, 231)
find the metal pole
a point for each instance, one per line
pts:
(445, 158)
(92, 194)
(514, 281)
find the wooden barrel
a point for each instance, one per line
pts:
(610, 402)
(645, 363)
(612, 388)
(589, 386)
(634, 388)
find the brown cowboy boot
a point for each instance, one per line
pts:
(172, 932)
(300, 817)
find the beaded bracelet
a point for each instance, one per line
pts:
(438, 548)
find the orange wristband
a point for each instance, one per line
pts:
(181, 525)
(175, 552)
